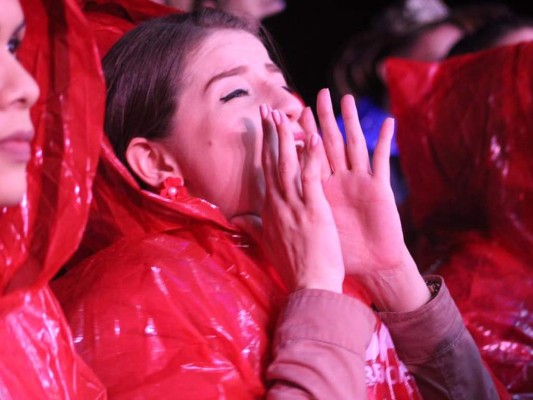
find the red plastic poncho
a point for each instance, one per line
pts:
(172, 299)
(182, 303)
(37, 358)
(465, 133)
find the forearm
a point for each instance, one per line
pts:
(435, 346)
(319, 347)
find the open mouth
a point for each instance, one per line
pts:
(300, 145)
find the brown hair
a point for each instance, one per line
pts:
(143, 71)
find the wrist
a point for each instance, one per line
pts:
(402, 291)
(329, 285)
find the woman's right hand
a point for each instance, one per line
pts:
(298, 224)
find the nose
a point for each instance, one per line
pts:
(17, 87)
(289, 103)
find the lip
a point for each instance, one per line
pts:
(17, 146)
(299, 139)
(299, 136)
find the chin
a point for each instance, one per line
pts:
(10, 200)
(14, 195)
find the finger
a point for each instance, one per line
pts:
(355, 140)
(288, 165)
(313, 193)
(268, 153)
(308, 123)
(381, 161)
(333, 141)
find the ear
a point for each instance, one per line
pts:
(151, 162)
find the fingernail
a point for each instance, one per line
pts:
(263, 111)
(314, 140)
(276, 116)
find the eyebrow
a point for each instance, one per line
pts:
(238, 71)
(17, 29)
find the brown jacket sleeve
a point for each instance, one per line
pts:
(436, 347)
(320, 341)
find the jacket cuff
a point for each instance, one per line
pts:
(325, 316)
(428, 331)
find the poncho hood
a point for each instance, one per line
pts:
(37, 237)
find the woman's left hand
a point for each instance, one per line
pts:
(364, 207)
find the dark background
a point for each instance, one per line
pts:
(310, 33)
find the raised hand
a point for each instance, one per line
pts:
(298, 224)
(364, 208)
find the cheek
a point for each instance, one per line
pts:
(228, 149)
(237, 141)
(252, 138)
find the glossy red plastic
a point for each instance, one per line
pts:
(168, 297)
(37, 357)
(465, 134)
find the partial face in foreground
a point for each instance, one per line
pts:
(18, 92)
(217, 134)
(258, 9)
(434, 44)
(524, 34)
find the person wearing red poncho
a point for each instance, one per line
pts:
(45, 174)
(219, 272)
(465, 134)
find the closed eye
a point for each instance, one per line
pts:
(13, 45)
(234, 94)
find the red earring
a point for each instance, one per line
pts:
(172, 188)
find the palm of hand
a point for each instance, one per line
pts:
(367, 220)
(359, 194)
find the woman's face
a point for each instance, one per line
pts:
(217, 134)
(18, 92)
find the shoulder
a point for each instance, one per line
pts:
(129, 258)
(133, 273)
(172, 271)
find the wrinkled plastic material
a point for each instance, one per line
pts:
(183, 303)
(167, 297)
(37, 357)
(110, 19)
(465, 133)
